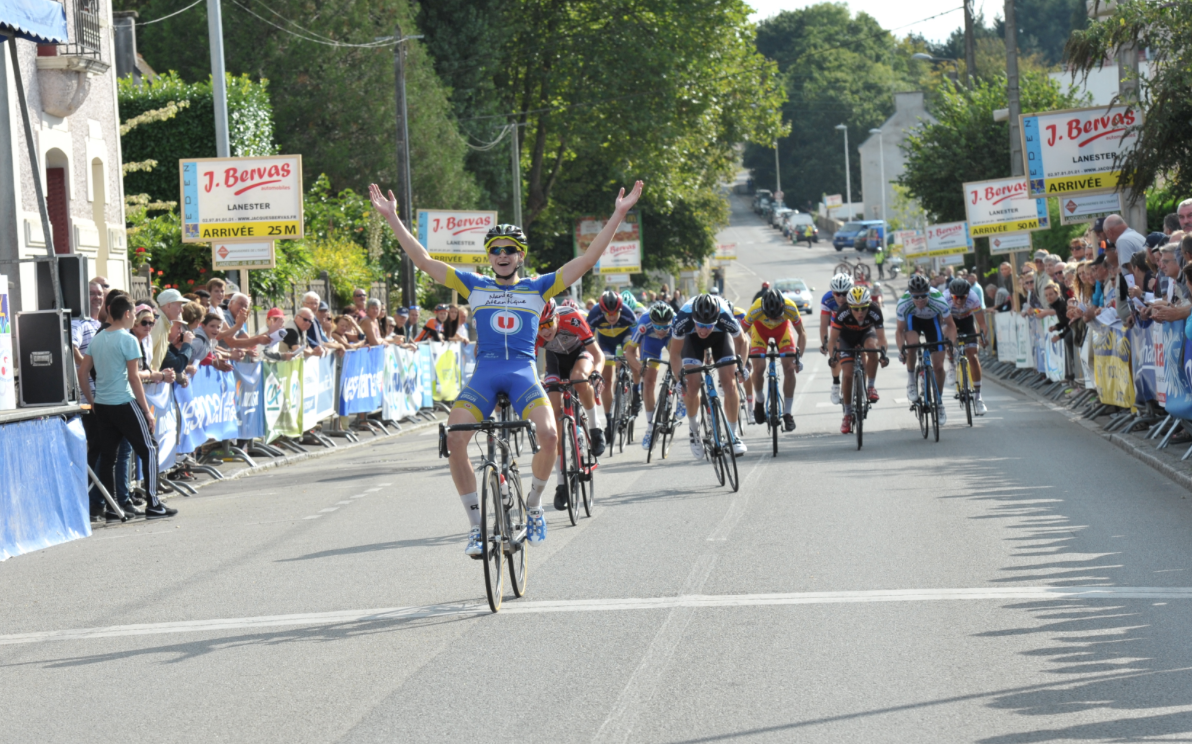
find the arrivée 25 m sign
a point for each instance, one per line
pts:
(241, 199)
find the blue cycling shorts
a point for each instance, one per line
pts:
(517, 378)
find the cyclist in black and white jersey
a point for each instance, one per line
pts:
(923, 311)
(966, 303)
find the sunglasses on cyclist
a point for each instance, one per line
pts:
(503, 250)
(705, 326)
(548, 323)
(919, 296)
(663, 327)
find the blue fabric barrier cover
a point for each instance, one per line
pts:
(249, 407)
(362, 381)
(206, 409)
(1175, 376)
(426, 372)
(43, 485)
(41, 21)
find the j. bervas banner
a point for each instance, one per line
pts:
(947, 239)
(1069, 153)
(241, 199)
(455, 237)
(1003, 206)
(624, 252)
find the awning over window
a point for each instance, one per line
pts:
(41, 21)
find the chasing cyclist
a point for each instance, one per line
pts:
(715, 330)
(772, 317)
(612, 322)
(572, 354)
(923, 310)
(832, 301)
(506, 310)
(644, 351)
(966, 304)
(860, 324)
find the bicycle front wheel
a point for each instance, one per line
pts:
(711, 437)
(859, 401)
(661, 415)
(924, 420)
(744, 413)
(517, 519)
(587, 471)
(772, 417)
(570, 468)
(491, 517)
(935, 404)
(671, 423)
(728, 456)
(966, 390)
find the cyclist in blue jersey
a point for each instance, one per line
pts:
(923, 310)
(506, 311)
(643, 353)
(833, 300)
(613, 323)
(966, 303)
(707, 324)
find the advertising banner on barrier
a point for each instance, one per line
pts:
(411, 378)
(396, 405)
(249, 406)
(283, 398)
(1074, 152)
(426, 373)
(206, 409)
(1156, 331)
(1053, 351)
(362, 381)
(1175, 371)
(446, 381)
(160, 397)
(1024, 357)
(1007, 343)
(1086, 362)
(318, 390)
(1111, 366)
(1002, 206)
(1142, 363)
(1038, 344)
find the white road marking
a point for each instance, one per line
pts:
(341, 503)
(697, 601)
(328, 509)
(360, 495)
(372, 490)
(313, 516)
(736, 508)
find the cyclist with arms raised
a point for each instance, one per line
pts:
(612, 322)
(858, 325)
(966, 304)
(571, 354)
(506, 310)
(771, 318)
(644, 351)
(924, 311)
(832, 301)
(707, 324)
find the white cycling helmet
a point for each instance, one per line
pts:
(841, 283)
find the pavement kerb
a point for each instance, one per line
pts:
(1140, 451)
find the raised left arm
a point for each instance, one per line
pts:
(577, 267)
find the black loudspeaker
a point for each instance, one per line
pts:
(73, 276)
(45, 362)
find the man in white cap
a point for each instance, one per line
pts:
(170, 303)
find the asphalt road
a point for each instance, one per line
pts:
(1020, 581)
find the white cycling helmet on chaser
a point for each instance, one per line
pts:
(841, 283)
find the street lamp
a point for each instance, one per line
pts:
(881, 150)
(955, 64)
(848, 179)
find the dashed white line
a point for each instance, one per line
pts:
(313, 516)
(328, 509)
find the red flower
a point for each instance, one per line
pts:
(202, 271)
(190, 281)
(160, 273)
(140, 250)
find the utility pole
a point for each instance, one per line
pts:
(517, 184)
(1133, 207)
(848, 177)
(970, 44)
(1016, 165)
(881, 150)
(409, 297)
(777, 174)
(219, 92)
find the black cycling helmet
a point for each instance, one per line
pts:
(610, 302)
(959, 287)
(917, 284)
(705, 309)
(773, 304)
(660, 313)
(506, 232)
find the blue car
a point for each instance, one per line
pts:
(846, 237)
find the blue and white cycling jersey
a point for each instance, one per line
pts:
(936, 307)
(649, 339)
(726, 323)
(828, 303)
(506, 316)
(972, 303)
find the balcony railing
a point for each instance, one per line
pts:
(87, 39)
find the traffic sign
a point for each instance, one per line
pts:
(227, 256)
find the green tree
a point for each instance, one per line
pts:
(1163, 155)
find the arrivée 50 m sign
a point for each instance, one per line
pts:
(241, 199)
(1003, 205)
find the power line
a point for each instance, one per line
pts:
(386, 42)
(505, 130)
(171, 15)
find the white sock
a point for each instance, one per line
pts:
(910, 377)
(749, 401)
(471, 503)
(534, 500)
(649, 417)
(590, 416)
(693, 423)
(788, 405)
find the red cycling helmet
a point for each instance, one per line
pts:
(610, 302)
(549, 313)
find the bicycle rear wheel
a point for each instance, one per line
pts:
(672, 422)
(517, 519)
(661, 415)
(570, 468)
(728, 457)
(859, 401)
(924, 420)
(744, 414)
(966, 391)
(618, 418)
(711, 449)
(772, 415)
(491, 517)
(935, 404)
(587, 474)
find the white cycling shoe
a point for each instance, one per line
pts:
(739, 447)
(697, 447)
(835, 397)
(943, 415)
(979, 407)
(475, 547)
(912, 392)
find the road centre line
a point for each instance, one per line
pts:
(696, 601)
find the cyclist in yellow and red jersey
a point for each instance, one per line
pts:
(773, 317)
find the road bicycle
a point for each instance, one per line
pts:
(964, 376)
(622, 400)
(578, 464)
(859, 271)
(503, 514)
(927, 407)
(861, 403)
(773, 401)
(666, 414)
(715, 430)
